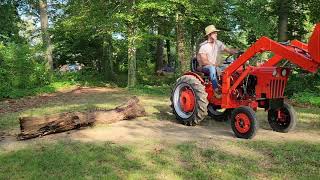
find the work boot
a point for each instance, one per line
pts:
(217, 93)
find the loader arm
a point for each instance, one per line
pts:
(307, 58)
(312, 48)
(277, 58)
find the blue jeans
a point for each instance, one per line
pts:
(212, 71)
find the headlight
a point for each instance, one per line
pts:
(274, 73)
(284, 72)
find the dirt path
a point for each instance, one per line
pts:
(159, 126)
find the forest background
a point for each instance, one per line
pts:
(127, 43)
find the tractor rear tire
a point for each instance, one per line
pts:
(244, 122)
(285, 123)
(197, 111)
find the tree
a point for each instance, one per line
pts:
(131, 30)
(9, 20)
(160, 46)
(46, 40)
(181, 42)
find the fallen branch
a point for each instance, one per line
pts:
(32, 127)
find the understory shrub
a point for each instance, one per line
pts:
(21, 70)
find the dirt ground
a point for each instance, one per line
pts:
(158, 126)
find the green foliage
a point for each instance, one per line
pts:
(301, 82)
(10, 22)
(305, 97)
(96, 34)
(82, 78)
(304, 88)
(21, 70)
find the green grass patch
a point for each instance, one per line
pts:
(51, 88)
(77, 160)
(311, 98)
(69, 160)
(164, 90)
(288, 160)
(9, 121)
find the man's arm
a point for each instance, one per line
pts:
(204, 60)
(230, 50)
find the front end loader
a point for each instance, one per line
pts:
(245, 87)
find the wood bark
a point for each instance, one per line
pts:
(132, 50)
(43, 7)
(181, 43)
(107, 57)
(283, 20)
(160, 45)
(170, 59)
(32, 127)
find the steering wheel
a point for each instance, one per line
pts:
(232, 57)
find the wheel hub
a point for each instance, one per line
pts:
(242, 123)
(282, 116)
(187, 100)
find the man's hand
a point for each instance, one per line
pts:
(231, 51)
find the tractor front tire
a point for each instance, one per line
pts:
(189, 100)
(244, 122)
(283, 119)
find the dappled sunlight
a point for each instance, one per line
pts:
(160, 146)
(97, 90)
(308, 116)
(54, 109)
(154, 100)
(8, 122)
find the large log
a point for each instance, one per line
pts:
(32, 127)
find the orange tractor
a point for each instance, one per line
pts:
(245, 88)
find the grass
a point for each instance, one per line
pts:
(155, 159)
(289, 160)
(78, 160)
(9, 121)
(151, 90)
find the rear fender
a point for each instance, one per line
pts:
(195, 75)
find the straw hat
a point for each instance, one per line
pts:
(210, 29)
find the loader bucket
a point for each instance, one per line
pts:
(314, 44)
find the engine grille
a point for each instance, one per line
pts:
(276, 88)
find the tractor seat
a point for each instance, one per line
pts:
(195, 67)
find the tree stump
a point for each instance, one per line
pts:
(32, 127)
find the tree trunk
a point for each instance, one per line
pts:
(43, 7)
(170, 59)
(283, 20)
(160, 45)
(180, 43)
(32, 127)
(132, 64)
(193, 43)
(107, 57)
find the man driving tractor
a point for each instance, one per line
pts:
(245, 87)
(209, 54)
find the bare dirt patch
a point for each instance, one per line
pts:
(11, 105)
(158, 127)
